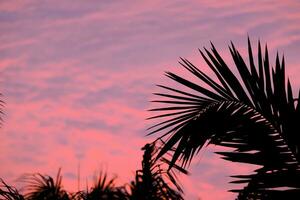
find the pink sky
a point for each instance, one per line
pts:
(77, 78)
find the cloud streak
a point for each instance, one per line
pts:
(77, 78)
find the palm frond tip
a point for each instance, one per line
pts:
(252, 111)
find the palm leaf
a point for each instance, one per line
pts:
(8, 192)
(44, 187)
(153, 181)
(254, 113)
(103, 188)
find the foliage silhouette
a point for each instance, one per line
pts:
(102, 189)
(44, 187)
(153, 181)
(253, 112)
(150, 184)
(9, 193)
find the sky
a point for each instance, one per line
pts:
(78, 76)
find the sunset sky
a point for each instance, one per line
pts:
(77, 78)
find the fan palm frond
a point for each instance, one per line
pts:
(254, 113)
(44, 187)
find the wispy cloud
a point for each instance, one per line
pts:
(77, 78)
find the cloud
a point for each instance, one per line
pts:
(77, 78)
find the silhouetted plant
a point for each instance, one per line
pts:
(253, 112)
(153, 181)
(103, 188)
(8, 192)
(44, 187)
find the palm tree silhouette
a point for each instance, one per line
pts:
(253, 112)
(103, 188)
(44, 187)
(8, 192)
(153, 181)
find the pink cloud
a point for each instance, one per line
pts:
(9, 6)
(77, 79)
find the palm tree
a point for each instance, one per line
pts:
(44, 187)
(8, 192)
(103, 189)
(153, 181)
(253, 112)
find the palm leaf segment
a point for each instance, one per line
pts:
(258, 117)
(104, 188)
(8, 192)
(44, 187)
(153, 181)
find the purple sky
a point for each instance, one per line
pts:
(77, 78)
